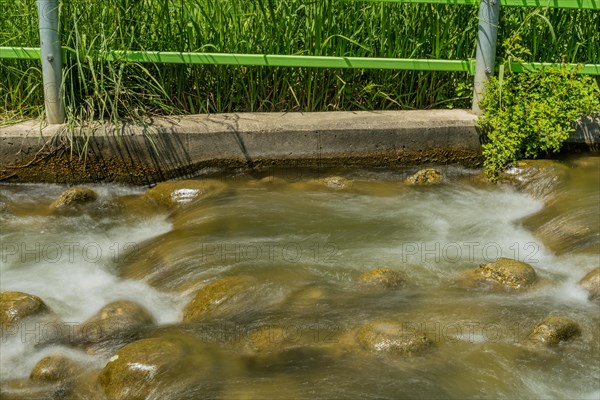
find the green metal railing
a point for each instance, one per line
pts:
(270, 60)
(578, 4)
(275, 60)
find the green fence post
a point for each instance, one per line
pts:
(51, 60)
(485, 57)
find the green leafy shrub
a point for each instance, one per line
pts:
(532, 113)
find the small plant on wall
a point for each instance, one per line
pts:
(532, 113)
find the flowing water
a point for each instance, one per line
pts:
(306, 244)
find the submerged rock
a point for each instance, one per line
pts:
(74, 197)
(541, 179)
(171, 367)
(54, 368)
(553, 330)
(177, 193)
(85, 387)
(306, 299)
(25, 389)
(270, 338)
(567, 228)
(569, 222)
(168, 262)
(390, 337)
(225, 297)
(504, 273)
(426, 176)
(16, 306)
(273, 387)
(330, 182)
(336, 182)
(285, 343)
(133, 204)
(381, 278)
(591, 283)
(115, 325)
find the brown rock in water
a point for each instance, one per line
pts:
(426, 176)
(177, 193)
(74, 197)
(390, 337)
(381, 278)
(553, 330)
(591, 283)
(226, 296)
(115, 325)
(174, 367)
(54, 368)
(504, 273)
(15, 306)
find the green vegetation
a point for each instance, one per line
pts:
(304, 27)
(532, 113)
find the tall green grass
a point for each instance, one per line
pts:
(95, 89)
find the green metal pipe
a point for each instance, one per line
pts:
(270, 60)
(20, 53)
(33, 53)
(577, 4)
(585, 69)
(273, 60)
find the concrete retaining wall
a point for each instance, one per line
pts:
(175, 146)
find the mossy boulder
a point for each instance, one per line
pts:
(390, 337)
(177, 193)
(553, 330)
(54, 368)
(225, 297)
(381, 278)
(591, 283)
(426, 176)
(173, 367)
(115, 325)
(504, 273)
(16, 306)
(74, 197)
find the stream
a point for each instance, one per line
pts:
(294, 247)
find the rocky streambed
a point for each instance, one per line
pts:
(427, 283)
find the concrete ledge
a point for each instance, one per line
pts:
(169, 147)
